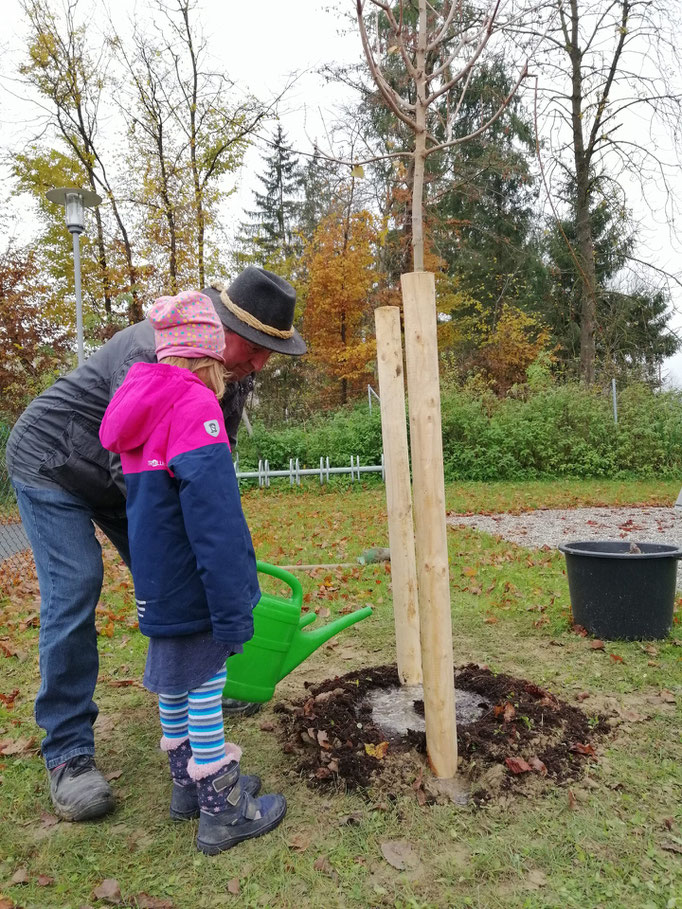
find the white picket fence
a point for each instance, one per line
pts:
(264, 474)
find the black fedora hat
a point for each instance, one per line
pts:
(259, 306)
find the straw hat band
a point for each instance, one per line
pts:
(244, 316)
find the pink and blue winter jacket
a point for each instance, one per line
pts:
(193, 563)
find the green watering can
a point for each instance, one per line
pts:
(278, 644)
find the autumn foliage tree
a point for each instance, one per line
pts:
(33, 345)
(515, 342)
(340, 264)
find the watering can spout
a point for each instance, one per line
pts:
(305, 643)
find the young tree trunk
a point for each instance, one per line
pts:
(419, 144)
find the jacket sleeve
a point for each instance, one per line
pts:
(199, 456)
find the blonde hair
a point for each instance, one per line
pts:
(210, 371)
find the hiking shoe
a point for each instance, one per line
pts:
(239, 708)
(79, 791)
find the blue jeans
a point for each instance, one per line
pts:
(68, 559)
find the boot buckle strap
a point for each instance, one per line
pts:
(232, 798)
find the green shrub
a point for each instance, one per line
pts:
(558, 430)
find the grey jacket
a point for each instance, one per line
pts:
(56, 439)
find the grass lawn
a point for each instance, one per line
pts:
(613, 839)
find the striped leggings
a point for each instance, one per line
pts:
(199, 714)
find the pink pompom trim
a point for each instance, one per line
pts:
(167, 744)
(201, 771)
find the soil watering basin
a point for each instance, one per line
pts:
(621, 590)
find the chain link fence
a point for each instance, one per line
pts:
(15, 551)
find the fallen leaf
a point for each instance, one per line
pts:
(323, 739)
(578, 629)
(122, 683)
(572, 801)
(44, 880)
(672, 847)
(20, 876)
(8, 699)
(469, 572)
(667, 696)
(668, 823)
(400, 854)
(490, 620)
(20, 746)
(299, 842)
(580, 748)
(7, 904)
(616, 657)
(597, 645)
(517, 765)
(537, 765)
(321, 863)
(267, 727)
(233, 886)
(377, 751)
(145, 901)
(47, 819)
(582, 696)
(650, 649)
(109, 891)
(114, 775)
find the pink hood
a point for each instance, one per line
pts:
(142, 402)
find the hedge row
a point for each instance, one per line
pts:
(565, 430)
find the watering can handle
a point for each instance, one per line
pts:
(289, 579)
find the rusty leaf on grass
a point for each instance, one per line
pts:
(580, 748)
(109, 891)
(44, 880)
(578, 629)
(667, 696)
(617, 658)
(400, 854)
(233, 886)
(47, 819)
(597, 645)
(582, 695)
(267, 727)
(518, 765)
(123, 683)
(572, 800)
(377, 751)
(299, 842)
(6, 904)
(8, 699)
(19, 747)
(469, 572)
(114, 775)
(20, 876)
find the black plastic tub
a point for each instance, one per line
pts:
(622, 595)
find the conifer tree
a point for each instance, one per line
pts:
(269, 238)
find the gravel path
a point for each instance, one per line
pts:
(551, 526)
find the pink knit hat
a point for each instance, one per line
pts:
(187, 325)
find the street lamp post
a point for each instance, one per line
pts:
(75, 201)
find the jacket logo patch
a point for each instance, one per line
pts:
(212, 428)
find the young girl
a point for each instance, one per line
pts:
(193, 563)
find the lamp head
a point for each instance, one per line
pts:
(75, 201)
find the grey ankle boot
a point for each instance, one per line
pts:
(184, 802)
(229, 814)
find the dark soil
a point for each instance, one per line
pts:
(526, 733)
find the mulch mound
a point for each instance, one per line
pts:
(526, 733)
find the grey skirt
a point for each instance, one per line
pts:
(179, 664)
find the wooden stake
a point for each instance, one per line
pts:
(398, 494)
(426, 445)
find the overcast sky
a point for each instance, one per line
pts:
(261, 44)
